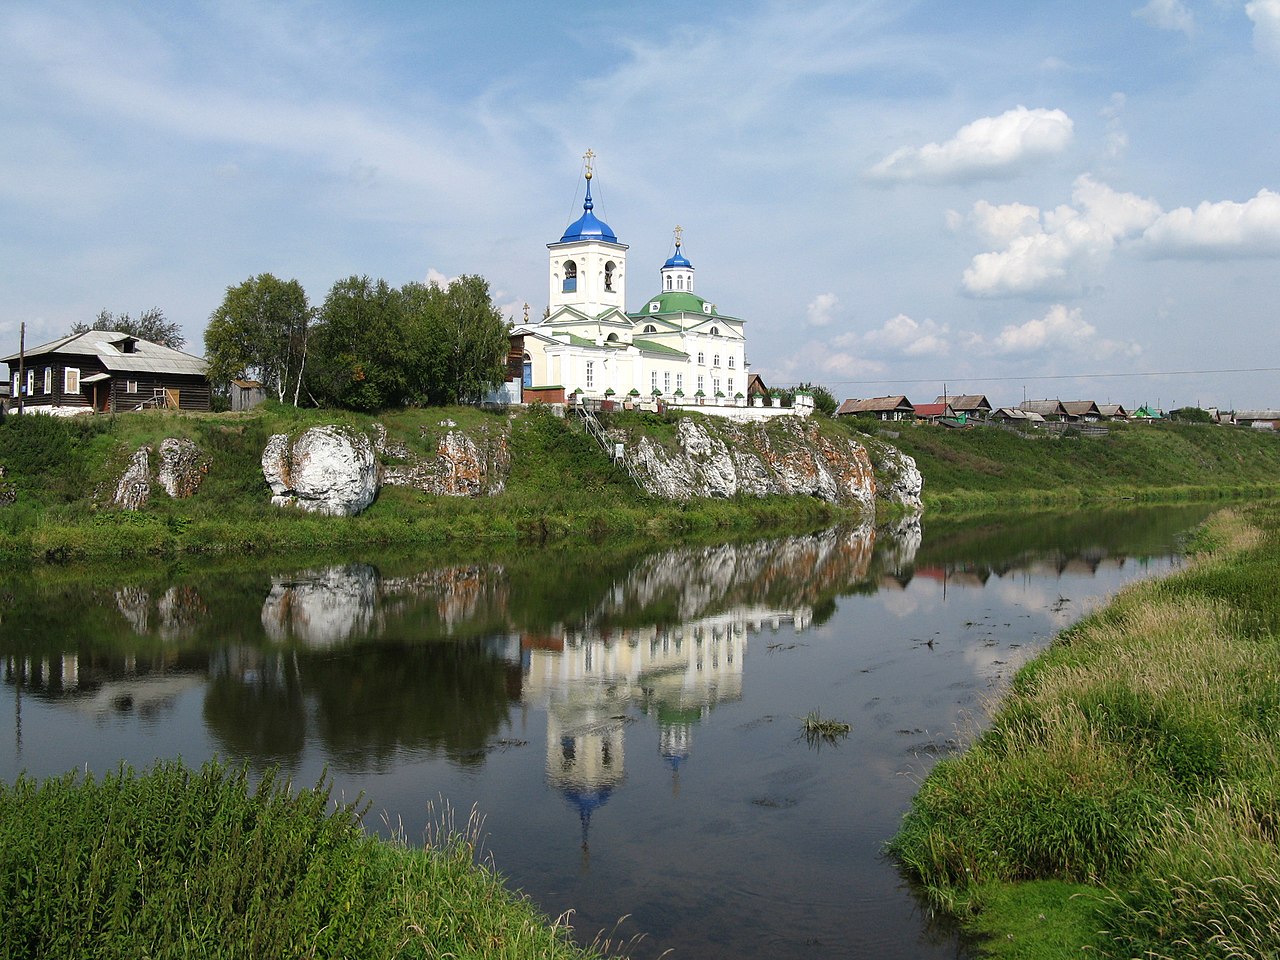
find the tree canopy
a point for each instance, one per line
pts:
(260, 330)
(149, 325)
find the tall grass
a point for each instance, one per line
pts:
(1138, 755)
(177, 864)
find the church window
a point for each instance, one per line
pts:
(679, 381)
(715, 331)
(730, 386)
(706, 308)
(702, 357)
(715, 385)
(653, 380)
(612, 338)
(654, 306)
(679, 283)
(701, 380)
(649, 328)
(608, 276)
(668, 283)
(731, 363)
(666, 381)
(570, 277)
(715, 361)
(591, 374)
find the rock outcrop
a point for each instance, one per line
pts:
(134, 487)
(787, 456)
(181, 470)
(182, 467)
(327, 469)
(472, 464)
(898, 479)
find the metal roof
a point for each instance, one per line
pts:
(108, 347)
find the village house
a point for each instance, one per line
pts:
(1259, 419)
(881, 408)
(1112, 411)
(1081, 411)
(933, 412)
(1016, 416)
(1050, 410)
(974, 406)
(103, 371)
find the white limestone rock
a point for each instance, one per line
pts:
(134, 487)
(182, 467)
(328, 469)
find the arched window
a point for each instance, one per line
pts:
(731, 363)
(679, 283)
(668, 283)
(649, 328)
(611, 338)
(570, 277)
(715, 331)
(608, 276)
(715, 361)
(702, 357)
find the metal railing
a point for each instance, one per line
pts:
(616, 452)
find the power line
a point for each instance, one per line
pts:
(1061, 376)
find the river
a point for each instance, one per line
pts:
(626, 721)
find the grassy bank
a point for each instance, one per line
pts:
(1126, 798)
(986, 468)
(177, 863)
(60, 475)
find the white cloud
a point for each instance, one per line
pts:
(1265, 15)
(1060, 329)
(1117, 141)
(905, 337)
(1062, 252)
(988, 148)
(1167, 15)
(437, 279)
(1222, 229)
(819, 313)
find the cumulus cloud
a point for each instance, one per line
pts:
(1265, 15)
(988, 148)
(1167, 15)
(820, 311)
(1058, 251)
(1061, 329)
(437, 279)
(905, 337)
(1223, 229)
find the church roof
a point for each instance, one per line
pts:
(676, 301)
(589, 226)
(677, 259)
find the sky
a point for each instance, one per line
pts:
(1061, 200)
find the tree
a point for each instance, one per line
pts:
(260, 330)
(463, 339)
(361, 358)
(150, 325)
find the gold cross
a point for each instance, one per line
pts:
(588, 157)
(526, 313)
(679, 232)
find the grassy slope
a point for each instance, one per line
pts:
(984, 468)
(561, 487)
(1126, 799)
(177, 863)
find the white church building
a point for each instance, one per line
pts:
(677, 348)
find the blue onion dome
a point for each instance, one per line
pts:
(677, 259)
(589, 226)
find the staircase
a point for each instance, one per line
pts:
(595, 429)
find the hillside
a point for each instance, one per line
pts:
(59, 477)
(983, 468)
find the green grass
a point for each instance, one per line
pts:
(986, 468)
(1137, 764)
(561, 487)
(176, 863)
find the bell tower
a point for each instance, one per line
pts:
(587, 267)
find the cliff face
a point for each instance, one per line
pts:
(789, 456)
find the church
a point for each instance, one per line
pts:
(677, 348)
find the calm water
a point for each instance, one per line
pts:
(627, 722)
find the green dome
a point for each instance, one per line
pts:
(676, 301)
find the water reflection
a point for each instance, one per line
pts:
(647, 696)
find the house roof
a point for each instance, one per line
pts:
(965, 401)
(1013, 413)
(1078, 408)
(875, 405)
(1046, 408)
(934, 410)
(109, 347)
(1112, 410)
(1258, 415)
(652, 346)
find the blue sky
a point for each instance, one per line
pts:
(998, 197)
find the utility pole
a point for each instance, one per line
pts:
(22, 362)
